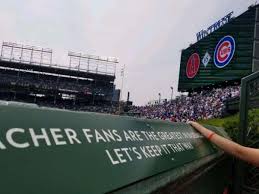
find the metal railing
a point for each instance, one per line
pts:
(247, 176)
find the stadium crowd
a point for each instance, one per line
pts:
(204, 105)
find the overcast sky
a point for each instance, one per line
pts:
(146, 35)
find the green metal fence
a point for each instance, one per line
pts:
(247, 177)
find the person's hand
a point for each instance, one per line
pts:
(199, 128)
(191, 122)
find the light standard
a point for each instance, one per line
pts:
(172, 93)
(159, 98)
(122, 81)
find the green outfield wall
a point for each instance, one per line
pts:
(54, 151)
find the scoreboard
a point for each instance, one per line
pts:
(223, 55)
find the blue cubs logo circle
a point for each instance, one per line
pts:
(224, 51)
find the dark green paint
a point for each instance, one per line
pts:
(81, 168)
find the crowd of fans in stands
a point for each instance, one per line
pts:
(204, 105)
(46, 84)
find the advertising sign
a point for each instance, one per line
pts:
(193, 65)
(224, 51)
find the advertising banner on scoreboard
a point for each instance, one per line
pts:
(223, 55)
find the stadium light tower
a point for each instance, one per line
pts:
(172, 92)
(26, 54)
(122, 80)
(92, 63)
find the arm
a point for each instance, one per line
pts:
(247, 154)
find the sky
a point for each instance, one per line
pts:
(147, 36)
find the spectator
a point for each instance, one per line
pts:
(204, 105)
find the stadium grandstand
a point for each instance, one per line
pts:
(206, 104)
(86, 84)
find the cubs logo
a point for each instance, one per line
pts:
(193, 65)
(224, 51)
